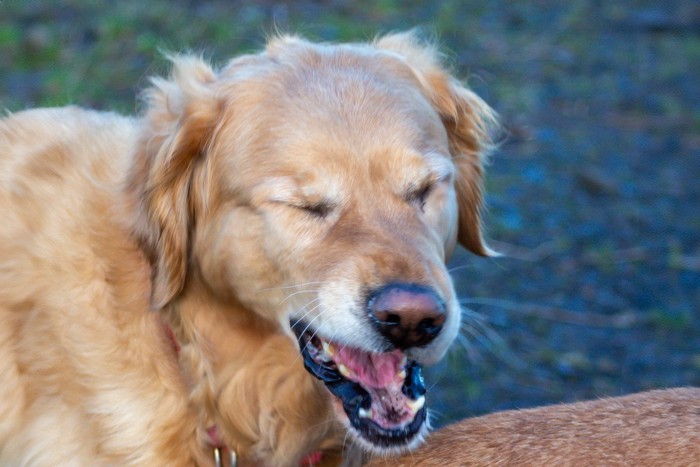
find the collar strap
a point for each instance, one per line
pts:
(310, 460)
(171, 337)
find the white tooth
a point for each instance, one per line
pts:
(365, 413)
(402, 374)
(404, 361)
(417, 404)
(328, 348)
(345, 371)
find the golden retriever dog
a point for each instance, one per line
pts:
(257, 263)
(655, 428)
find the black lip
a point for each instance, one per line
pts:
(415, 385)
(391, 438)
(354, 397)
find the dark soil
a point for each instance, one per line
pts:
(593, 195)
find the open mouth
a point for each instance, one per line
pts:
(383, 394)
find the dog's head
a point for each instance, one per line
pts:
(323, 187)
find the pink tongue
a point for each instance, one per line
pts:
(368, 369)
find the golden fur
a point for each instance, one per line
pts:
(197, 214)
(655, 428)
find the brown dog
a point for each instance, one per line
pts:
(655, 428)
(152, 268)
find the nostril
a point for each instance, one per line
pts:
(393, 319)
(429, 326)
(386, 317)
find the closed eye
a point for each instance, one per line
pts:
(319, 210)
(420, 195)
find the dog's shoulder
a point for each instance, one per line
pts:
(60, 173)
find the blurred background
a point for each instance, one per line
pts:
(593, 195)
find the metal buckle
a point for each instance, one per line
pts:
(217, 458)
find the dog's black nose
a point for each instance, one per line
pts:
(409, 315)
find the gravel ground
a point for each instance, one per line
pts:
(593, 193)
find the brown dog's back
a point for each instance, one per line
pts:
(655, 428)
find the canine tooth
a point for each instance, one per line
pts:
(365, 413)
(404, 361)
(417, 404)
(402, 374)
(345, 371)
(328, 348)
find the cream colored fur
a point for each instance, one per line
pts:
(195, 215)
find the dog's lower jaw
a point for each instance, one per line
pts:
(364, 448)
(375, 451)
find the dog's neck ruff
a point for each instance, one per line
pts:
(219, 449)
(223, 455)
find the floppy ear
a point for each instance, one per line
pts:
(180, 117)
(469, 122)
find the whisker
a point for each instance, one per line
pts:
(457, 268)
(345, 439)
(308, 325)
(472, 354)
(481, 335)
(313, 335)
(479, 328)
(324, 422)
(330, 341)
(469, 313)
(316, 331)
(293, 286)
(308, 312)
(295, 293)
(306, 329)
(437, 415)
(497, 302)
(590, 319)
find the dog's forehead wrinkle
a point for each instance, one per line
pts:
(302, 189)
(352, 124)
(403, 171)
(440, 165)
(383, 176)
(388, 173)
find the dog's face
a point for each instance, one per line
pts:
(331, 185)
